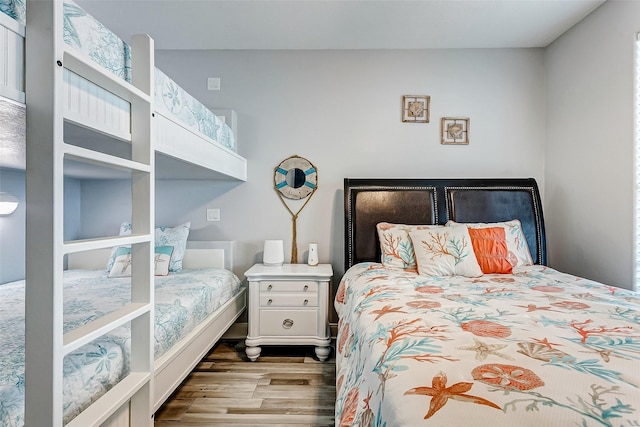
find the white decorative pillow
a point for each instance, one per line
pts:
(122, 262)
(176, 237)
(121, 266)
(445, 251)
(125, 229)
(164, 236)
(396, 246)
(516, 242)
(162, 260)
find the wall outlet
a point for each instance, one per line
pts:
(213, 215)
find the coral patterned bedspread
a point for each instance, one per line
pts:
(535, 348)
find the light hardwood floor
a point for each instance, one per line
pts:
(286, 386)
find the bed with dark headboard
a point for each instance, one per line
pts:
(530, 346)
(435, 201)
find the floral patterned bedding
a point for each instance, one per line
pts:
(533, 348)
(182, 300)
(90, 37)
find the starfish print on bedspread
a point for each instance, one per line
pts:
(483, 350)
(440, 394)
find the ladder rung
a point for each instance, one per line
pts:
(108, 403)
(97, 328)
(105, 242)
(96, 157)
(90, 70)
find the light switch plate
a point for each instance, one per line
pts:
(213, 83)
(213, 215)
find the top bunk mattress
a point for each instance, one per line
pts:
(86, 34)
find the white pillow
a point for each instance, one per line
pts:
(163, 236)
(176, 237)
(445, 251)
(122, 263)
(519, 254)
(125, 230)
(121, 266)
(396, 246)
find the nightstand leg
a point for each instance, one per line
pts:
(253, 353)
(323, 353)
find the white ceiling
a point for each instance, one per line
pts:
(341, 24)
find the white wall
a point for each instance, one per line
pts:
(589, 145)
(13, 227)
(341, 110)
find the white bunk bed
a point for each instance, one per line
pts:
(190, 141)
(83, 121)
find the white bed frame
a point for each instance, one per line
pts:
(65, 90)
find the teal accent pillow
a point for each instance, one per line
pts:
(163, 236)
(162, 260)
(125, 230)
(122, 262)
(121, 266)
(176, 237)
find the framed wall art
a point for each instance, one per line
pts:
(415, 108)
(455, 130)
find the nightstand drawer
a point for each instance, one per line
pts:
(288, 286)
(288, 322)
(288, 300)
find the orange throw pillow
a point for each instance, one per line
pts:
(490, 247)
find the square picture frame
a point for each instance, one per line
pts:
(454, 130)
(416, 108)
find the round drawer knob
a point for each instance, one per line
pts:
(287, 323)
(270, 301)
(269, 287)
(306, 287)
(306, 302)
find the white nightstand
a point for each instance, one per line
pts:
(289, 305)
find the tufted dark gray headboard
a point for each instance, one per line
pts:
(435, 201)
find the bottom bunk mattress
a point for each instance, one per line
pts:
(533, 348)
(182, 300)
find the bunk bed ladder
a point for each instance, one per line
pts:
(46, 344)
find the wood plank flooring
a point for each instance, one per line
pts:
(286, 386)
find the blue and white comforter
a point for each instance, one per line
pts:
(182, 300)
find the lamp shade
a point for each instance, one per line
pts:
(8, 203)
(273, 252)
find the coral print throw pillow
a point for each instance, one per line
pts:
(516, 242)
(445, 251)
(396, 246)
